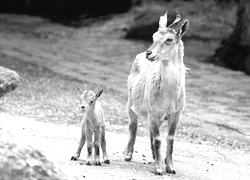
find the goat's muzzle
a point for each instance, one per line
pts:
(83, 108)
(150, 56)
(148, 52)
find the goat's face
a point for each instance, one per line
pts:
(166, 39)
(88, 98)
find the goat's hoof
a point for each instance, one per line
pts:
(170, 171)
(159, 171)
(97, 163)
(88, 162)
(127, 157)
(107, 161)
(73, 158)
(170, 168)
(159, 167)
(128, 154)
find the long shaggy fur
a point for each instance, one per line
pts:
(156, 90)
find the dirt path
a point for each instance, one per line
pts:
(192, 161)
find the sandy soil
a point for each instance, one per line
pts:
(52, 58)
(192, 161)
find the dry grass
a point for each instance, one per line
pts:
(50, 97)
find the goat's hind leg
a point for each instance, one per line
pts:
(133, 124)
(81, 144)
(103, 145)
(172, 124)
(152, 144)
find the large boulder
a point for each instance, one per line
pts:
(9, 80)
(19, 161)
(146, 22)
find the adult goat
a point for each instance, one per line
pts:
(156, 90)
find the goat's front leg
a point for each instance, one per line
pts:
(89, 135)
(97, 142)
(172, 124)
(133, 124)
(152, 144)
(156, 145)
(103, 145)
(81, 144)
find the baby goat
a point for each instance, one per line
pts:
(156, 90)
(93, 122)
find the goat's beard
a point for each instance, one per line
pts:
(152, 58)
(84, 110)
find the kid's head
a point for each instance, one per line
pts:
(88, 98)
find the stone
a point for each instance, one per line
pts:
(146, 22)
(9, 80)
(20, 161)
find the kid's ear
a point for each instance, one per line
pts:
(183, 29)
(98, 94)
(79, 90)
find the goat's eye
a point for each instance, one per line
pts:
(91, 102)
(169, 40)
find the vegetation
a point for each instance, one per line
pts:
(65, 7)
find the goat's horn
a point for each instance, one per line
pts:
(163, 20)
(79, 90)
(177, 19)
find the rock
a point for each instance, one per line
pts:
(19, 161)
(146, 22)
(9, 80)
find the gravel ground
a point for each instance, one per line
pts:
(192, 161)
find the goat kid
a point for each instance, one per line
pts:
(93, 122)
(156, 90)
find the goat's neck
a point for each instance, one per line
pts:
(172, 59)
(168, 64)
(170, 69)
(90, 113)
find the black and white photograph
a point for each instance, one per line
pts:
(125, 89)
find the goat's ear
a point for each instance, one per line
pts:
(183, 29)
(79, 90)
(98, 94)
